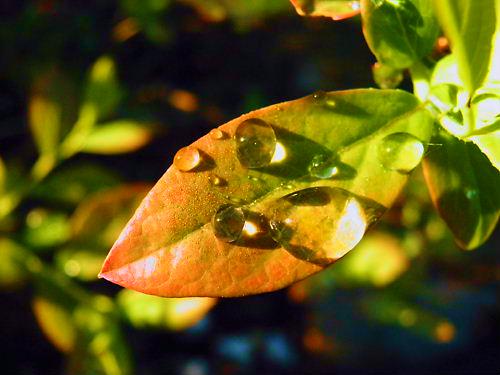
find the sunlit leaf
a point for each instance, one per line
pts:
(335, 9)
(101, 347)
(96, 223)
(117, 137)
(378, 261)
(399, 32)
(145, 311)
(355, 148)
(465, 188)
(56, 323)
(470, 26)
(490, 146)
(52, 110)
(102, 90)
(81, 263)
(98, 220)
(12, 269)
(45, 228)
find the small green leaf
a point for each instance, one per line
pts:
(216, 222)
(12, 259)
(399, 32)
(470, 26)
(56, 323)
(117, 137)
(465, 188)
(100, 346)
(102, 91)
(335, 9)
(145, 311)
(52, 111)
(45, 228)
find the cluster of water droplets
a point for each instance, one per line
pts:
(316, 224)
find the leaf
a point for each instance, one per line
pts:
(464, 188)
(52, 110)
(96, 223)
(117, 137)
(399, 32)
(12, 269)
(3, 176)
(470, 26)
(144, 311)
(45, 228)
(102, 90)
(169, 248)
(83, 326)
(101, 347)
(490, 146)
(55, 322)
(335, 9)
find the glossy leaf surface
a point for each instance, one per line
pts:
(470, 26)
(169, 248)
(400, 32)
(465, 188)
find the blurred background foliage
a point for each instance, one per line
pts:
(96, 96)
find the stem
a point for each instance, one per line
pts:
(420, 76)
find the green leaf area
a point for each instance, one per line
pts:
(272, 196)
(465, 189)
(399, 32)
(470, 26)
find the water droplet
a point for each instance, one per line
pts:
(228, 223)
(216, 134)
(187, 159)
(253, 178)
(323, 166)
(255, 143)
(319, 95)
(216, 180)
(400, 152)
(321, 224)
(471, 193)
(279, 153)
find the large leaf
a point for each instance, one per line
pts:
(465, 188)
(401, 32)
(470, 26)
(169, 248)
